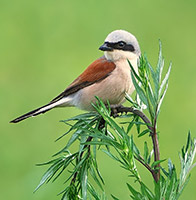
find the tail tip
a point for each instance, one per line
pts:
(13, 121)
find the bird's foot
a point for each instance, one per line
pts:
(116, 110)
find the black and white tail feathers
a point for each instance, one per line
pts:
(32, 113)
(43, 109)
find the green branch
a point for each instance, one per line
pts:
(100, 132)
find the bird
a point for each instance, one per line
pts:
(108, 77)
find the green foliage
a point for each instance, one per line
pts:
(151, 94)
(99, 131)
(169, 186)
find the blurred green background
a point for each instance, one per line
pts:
(45, 44)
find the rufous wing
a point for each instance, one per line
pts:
(97, 71)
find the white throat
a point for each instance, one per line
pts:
(117, 55)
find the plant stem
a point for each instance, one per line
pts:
(146, 166)
(156, 151)
(152, 127)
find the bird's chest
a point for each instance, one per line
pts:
(121, 77)
(112, 88)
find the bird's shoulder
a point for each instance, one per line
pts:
(96, 71)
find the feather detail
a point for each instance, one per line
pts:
(43, 109)
(97, 71)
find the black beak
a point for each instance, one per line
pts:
(105, 47)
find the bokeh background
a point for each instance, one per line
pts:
(45, 44)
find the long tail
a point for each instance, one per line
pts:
(41, 110)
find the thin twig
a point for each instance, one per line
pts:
(156, 152)
(146, 166)
(152, 127)
(122, 109)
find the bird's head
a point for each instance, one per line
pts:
(120, 44)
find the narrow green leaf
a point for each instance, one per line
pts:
(112, 156)
(83, 139)
(73, 138)
(106, 143)
(165, 172)
(157, 188)
(134, 72)
(145, 152)
(128, 98)
(116, 127)
(105, 140)
(161, 99)
(56, 169)
(172, 186)
(81, 121)
(160, 63)
(135, 193)
(139, 90)
(151, 96)
(66, 163)
(81, 116)
(170, 167)
(98, 172)
(150, 156)
(50, 162)
(151, 68)
(146, 192)
(93, 192)
(135, 149)
(144, 132)
(84, 181)
(95, 150)
(64, 134)
(155, 80)
(50, 172)
(138, 123)
(62, 170)
(165, 80)
(114, 197)
(130, 126)
(183, 186)
(94, 176)
(157, 162)
(188, 141)
(131, 144)
(183, 153)
(97, 143)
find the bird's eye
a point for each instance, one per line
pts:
(121, 44)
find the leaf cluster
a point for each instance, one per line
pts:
(170, 186)
(100, 132)
(149, 85)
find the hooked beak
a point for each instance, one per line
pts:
(105, 47)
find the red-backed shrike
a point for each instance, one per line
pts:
(108, 77)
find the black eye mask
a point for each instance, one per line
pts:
(121, 46)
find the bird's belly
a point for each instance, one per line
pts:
(112, 89)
